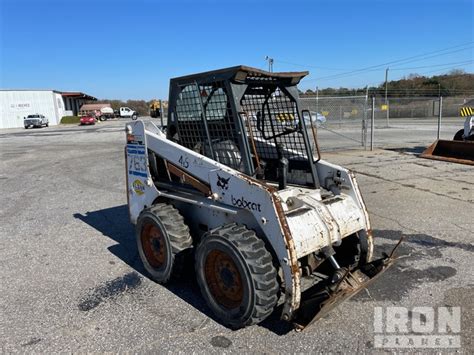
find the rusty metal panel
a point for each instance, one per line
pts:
(310, 232)
(346, 214)
(315, 223)
(188, 179)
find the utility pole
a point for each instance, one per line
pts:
(270, 63)
(386, 99)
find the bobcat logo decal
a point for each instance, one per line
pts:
(222, 183)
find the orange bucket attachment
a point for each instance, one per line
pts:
(461, 152)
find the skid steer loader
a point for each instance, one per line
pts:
(237, 184)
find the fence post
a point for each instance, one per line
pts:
(440, 114)
(388, 113)
(317, 99)
(364, 123)
(372, 124)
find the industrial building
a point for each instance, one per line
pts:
(17, 104)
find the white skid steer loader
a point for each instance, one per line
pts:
(237, 183)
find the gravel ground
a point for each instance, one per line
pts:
(71, 279)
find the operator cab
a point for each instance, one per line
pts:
(247, 119)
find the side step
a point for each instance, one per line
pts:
(461, 152)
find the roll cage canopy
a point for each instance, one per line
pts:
(245, 118)
(242, 74)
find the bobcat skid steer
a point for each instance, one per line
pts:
(237, 185)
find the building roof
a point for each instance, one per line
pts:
(72, 94)
(77, 95)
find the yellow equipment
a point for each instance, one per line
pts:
(155, 108)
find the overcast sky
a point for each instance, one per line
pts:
(128, 49)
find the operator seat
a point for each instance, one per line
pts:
(227, 153)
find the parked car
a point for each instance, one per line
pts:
(317, 119)
(35, 120)
(88, 119)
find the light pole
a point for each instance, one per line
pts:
(386, 99)
(270, 63)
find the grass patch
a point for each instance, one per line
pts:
(70, 120)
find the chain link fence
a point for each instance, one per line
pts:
(405, 122)
(342, 121)
(415, 122)
(419, 107)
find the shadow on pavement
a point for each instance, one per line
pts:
(114, 223)
(410, 150)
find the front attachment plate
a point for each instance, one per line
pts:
(318, 300)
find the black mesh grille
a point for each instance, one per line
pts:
(191, 130)
(222, 142)
(273, 120)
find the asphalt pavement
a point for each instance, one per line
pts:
(72, 281)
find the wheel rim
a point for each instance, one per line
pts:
(224, 279)
(154, 246)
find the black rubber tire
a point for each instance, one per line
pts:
(354, 250)
(26, 127)
(458, 135)
(257, 273)
(177, 239)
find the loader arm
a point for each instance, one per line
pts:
(240, 192)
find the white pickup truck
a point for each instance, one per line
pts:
(35, 120)
(128, 112)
